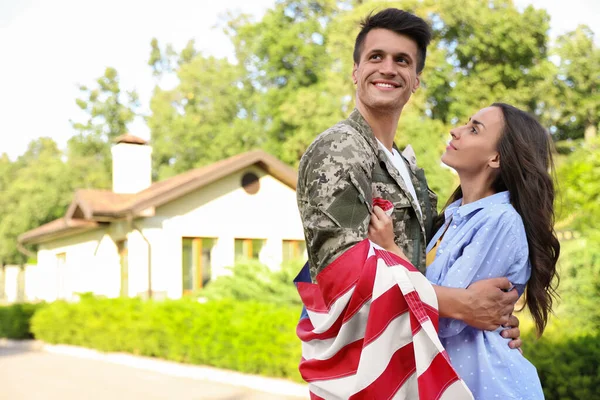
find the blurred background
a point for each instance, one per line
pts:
(173, 99)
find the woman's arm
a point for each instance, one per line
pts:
(486, 304)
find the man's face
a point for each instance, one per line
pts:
(386, 76)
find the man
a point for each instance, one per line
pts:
(354, 162)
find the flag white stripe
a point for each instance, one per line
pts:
(384, 279)
(339, 388)
(457, 390)
(351, 331)
(409, 389)
(323, 321)
(425, 351)
(423, 287)
(376, 355)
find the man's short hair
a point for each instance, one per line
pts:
(401, 22)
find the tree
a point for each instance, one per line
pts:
(36, 194)
(108, 115)
(208, 116)
(576, 106)
(285, 58)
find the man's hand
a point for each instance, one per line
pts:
(488, 305)
(381, 229)
(381, 232)
(513, 332)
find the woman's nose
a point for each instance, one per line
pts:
(454, 133)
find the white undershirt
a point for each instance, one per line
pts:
(400, 165)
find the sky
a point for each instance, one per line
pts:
(49, 47)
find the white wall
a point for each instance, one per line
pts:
(92, 265)
(223, 210)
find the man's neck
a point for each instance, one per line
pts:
(383, 124)
(475, 186)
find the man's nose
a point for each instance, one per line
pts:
(387, 66)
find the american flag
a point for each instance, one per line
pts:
(369, 331)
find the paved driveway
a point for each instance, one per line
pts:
(33, 375)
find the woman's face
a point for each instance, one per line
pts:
(473, 148)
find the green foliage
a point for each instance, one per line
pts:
(579, 184)
(250, 336)
(577, 103)
(35, 192)
(208, 116)
(108, 113)
(568, 365)
(251, 280)
(15, 320)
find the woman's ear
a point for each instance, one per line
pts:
(494, 162)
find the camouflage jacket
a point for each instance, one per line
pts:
(339, 175)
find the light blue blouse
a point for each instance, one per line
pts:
(484, 239)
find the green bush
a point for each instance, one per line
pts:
(251, 280)
(15, 320)
(248, 336)
(569, 367)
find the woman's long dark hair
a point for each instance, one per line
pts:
(526, 164)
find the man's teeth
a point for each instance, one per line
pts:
(385, 85)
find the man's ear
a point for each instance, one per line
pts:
(494, 161)
(417, 82)
(354, 78)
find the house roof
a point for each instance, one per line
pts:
(92, 206)
(57, 228)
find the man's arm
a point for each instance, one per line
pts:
(483, 305)
(334, 196)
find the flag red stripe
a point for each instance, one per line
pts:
(384, 310)
(436, 379)
(342, 274)
(400, 368)
(343, 363)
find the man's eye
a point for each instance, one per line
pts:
(402, 60)
(376, 57)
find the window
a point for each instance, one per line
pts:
(122, 248)
(293, 249)
(61, 275)
(251, 183)
(195, 260)
(248, 248)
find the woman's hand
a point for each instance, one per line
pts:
(381, 232)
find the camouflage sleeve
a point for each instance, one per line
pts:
(334, 196)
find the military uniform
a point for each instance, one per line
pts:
(339, 175)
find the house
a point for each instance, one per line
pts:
(171, 237)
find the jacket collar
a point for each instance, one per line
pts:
(358, 122)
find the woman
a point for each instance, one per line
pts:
(499, 222)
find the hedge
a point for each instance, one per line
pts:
(258, 338)
(15, 319)
(249, 337)
(569, 367)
